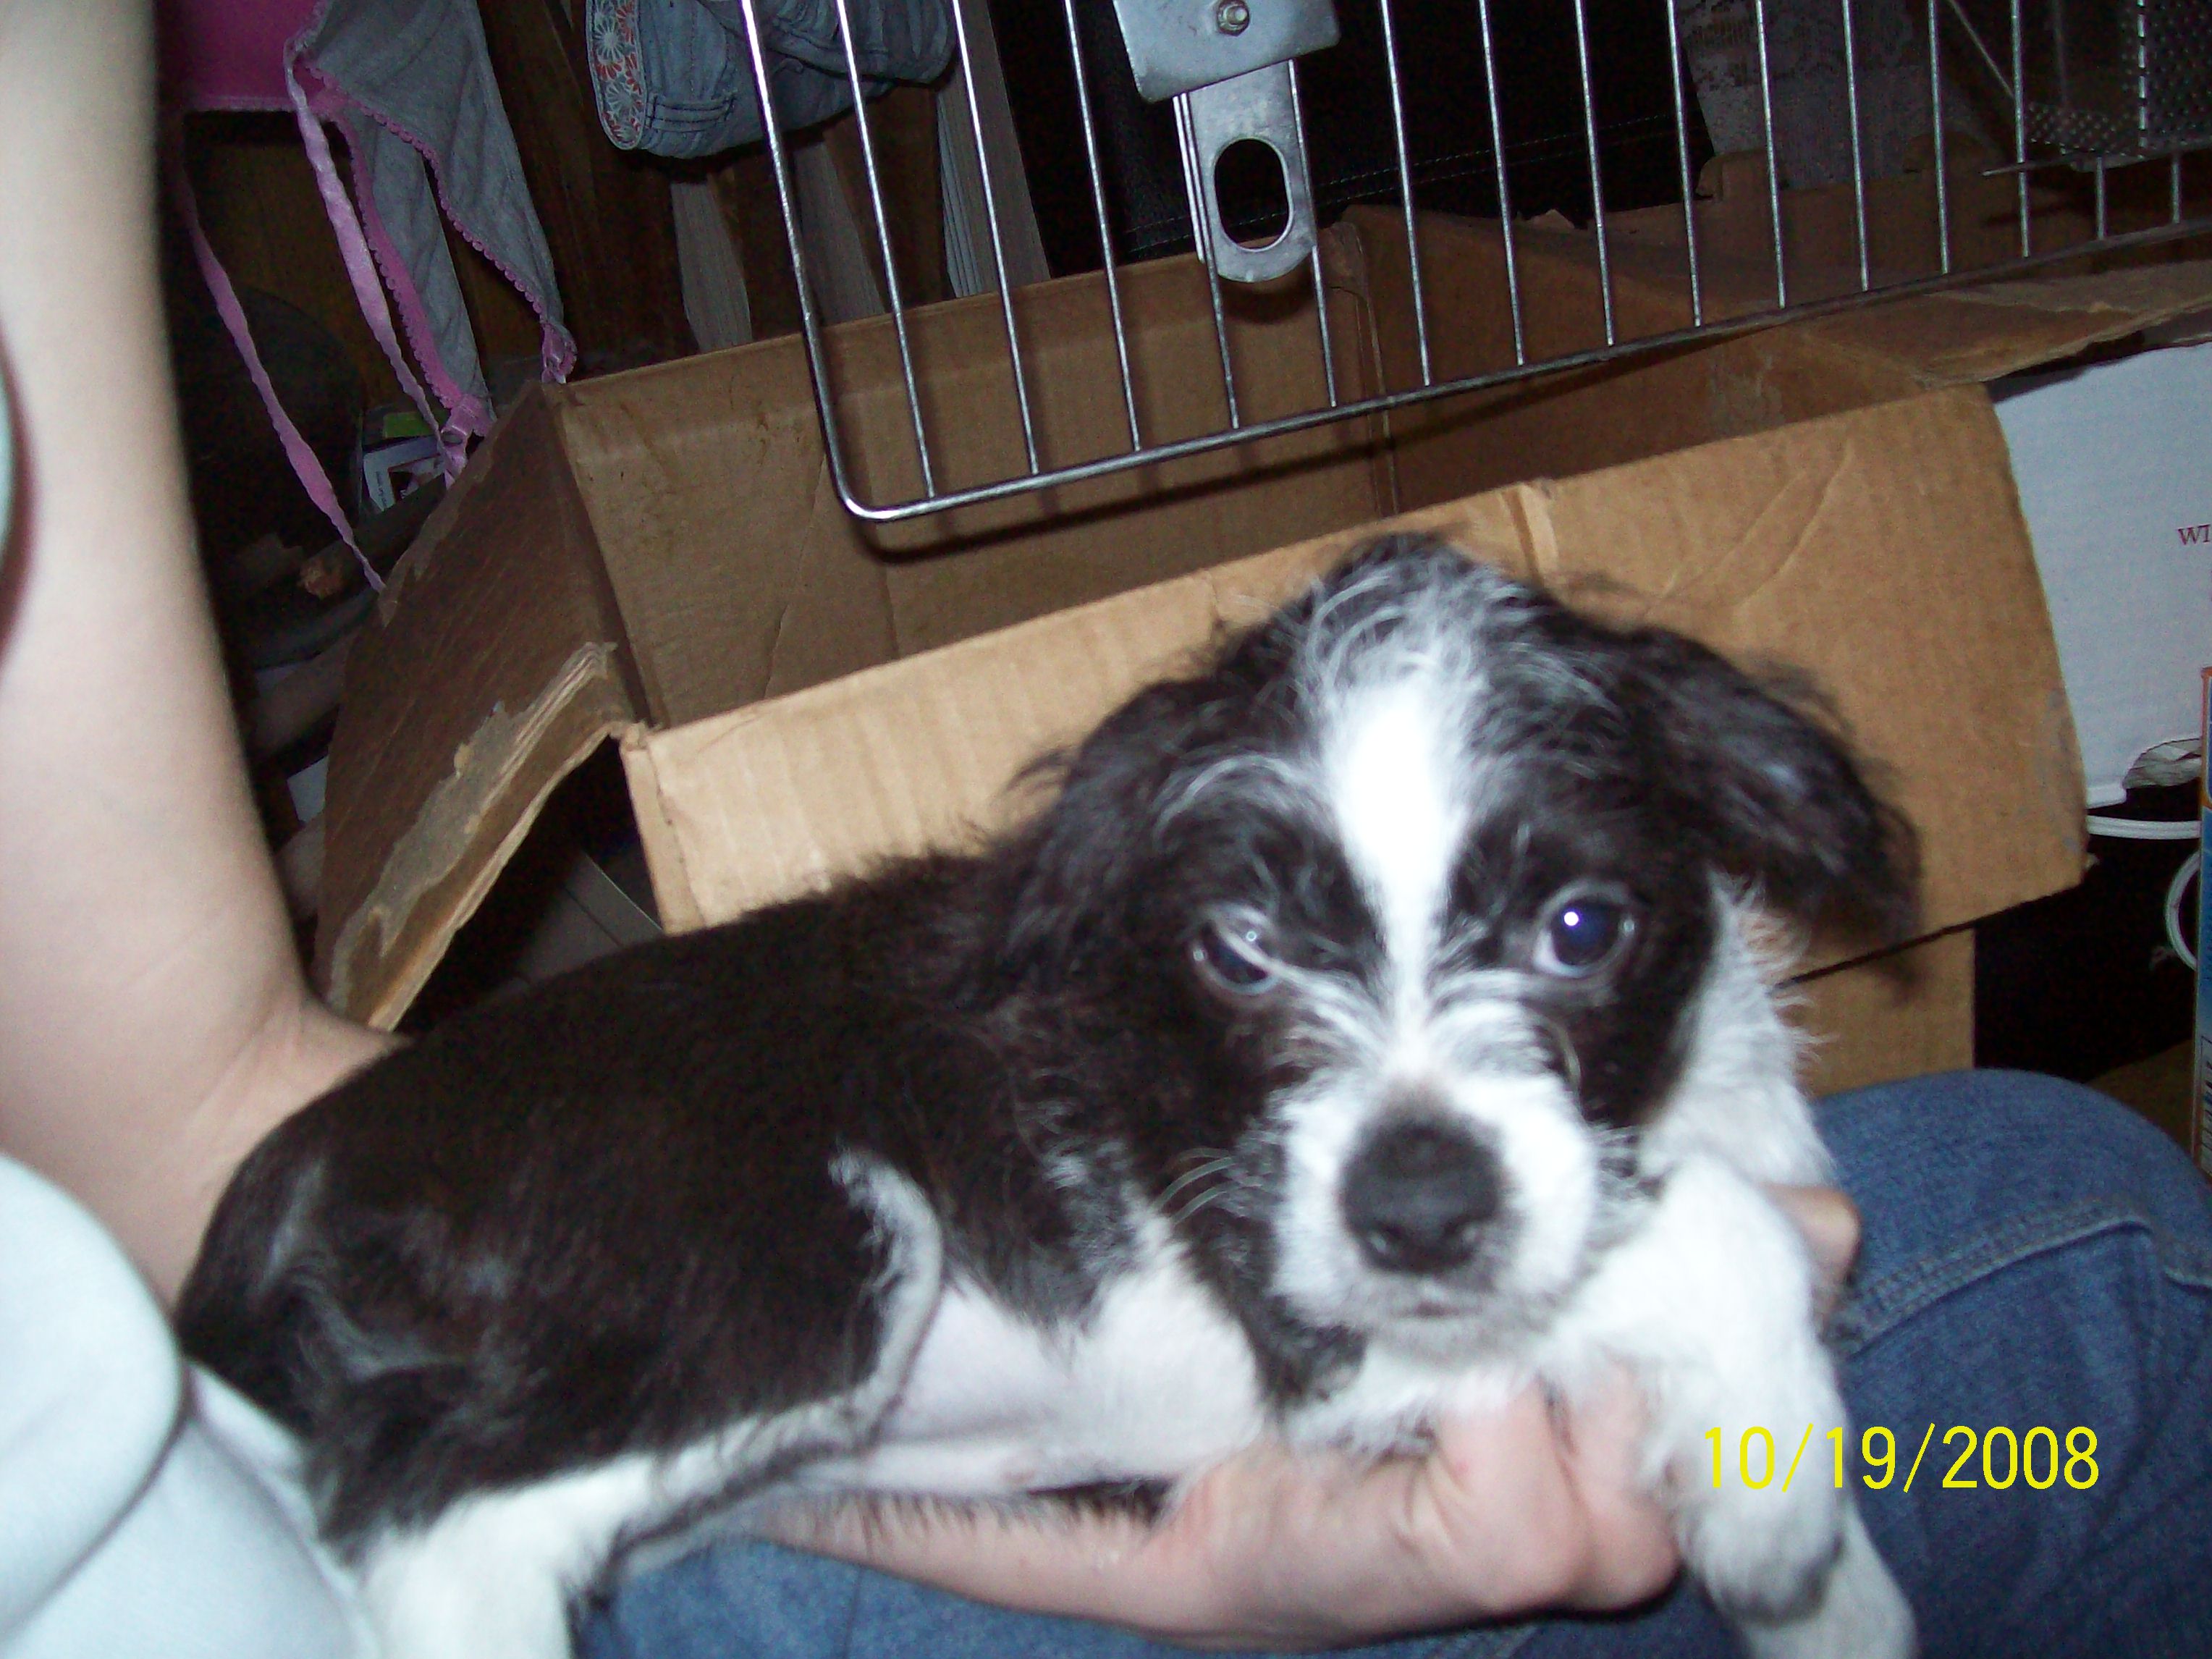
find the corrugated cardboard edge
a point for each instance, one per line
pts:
(499, 633)
(664, 851)
(1981, 333)
(440, 869)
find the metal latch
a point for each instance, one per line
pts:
(1226, 64)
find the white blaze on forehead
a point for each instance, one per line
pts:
(1387, 758)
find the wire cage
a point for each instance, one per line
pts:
(1890, 146)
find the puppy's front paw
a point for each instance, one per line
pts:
(1763, 1554)
(1857, 1612)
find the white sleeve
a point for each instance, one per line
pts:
(145, 1509)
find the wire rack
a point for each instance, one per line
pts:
(2078, 120)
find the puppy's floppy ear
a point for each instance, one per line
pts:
(1085, 850)
(1774, 788)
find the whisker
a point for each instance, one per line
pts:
(1203, 1200)
(1569, 1059)
(1215, 1161)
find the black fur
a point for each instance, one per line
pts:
(600, 1217)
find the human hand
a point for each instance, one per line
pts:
(1534, 1506)
(1830, 1225)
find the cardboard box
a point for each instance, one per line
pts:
(665, 545)
(658, 556)
(1787, 541)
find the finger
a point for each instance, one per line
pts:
(1516, 1510)
(1315, 1549)
(1509, 1530)
(1633, 1554)
(1830, 1223)
(1554, 1503)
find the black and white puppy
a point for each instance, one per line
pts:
(1374, 1021)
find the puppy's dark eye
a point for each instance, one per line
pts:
(1232, 955)
(1582, 933)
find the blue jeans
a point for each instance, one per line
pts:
(2034, 1256)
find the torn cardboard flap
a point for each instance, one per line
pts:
(500, 780)
(469, 696)
(1881, 549)
(1980, 334)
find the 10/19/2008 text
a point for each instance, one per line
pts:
(2032, 1458)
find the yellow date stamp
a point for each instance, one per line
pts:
(1997, 1458)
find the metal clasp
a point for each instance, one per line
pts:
(1226, 64)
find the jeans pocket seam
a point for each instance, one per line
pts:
(1871, 1311)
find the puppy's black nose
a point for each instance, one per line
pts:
(1416, 1196)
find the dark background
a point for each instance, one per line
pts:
(1344, 90)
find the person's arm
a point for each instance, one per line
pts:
(153, 1019)
(1514, 1513)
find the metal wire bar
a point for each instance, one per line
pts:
(2143, 72)
(1105, 230)
(883, 241)
(998, 242)
(1384, 402)
(1597, 183)
(1320, 316)
(1320, 281)
(1406, 186)
(2020, 140)
(1194, 180)
(1858, 149)
(1345, 399)
(788, 199)
(1681, 150)
(1505, 196)
(2085, 160)
(1935, 128)
(1773, 173)
(1982, 51)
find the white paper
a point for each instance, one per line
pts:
(2114, 465)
